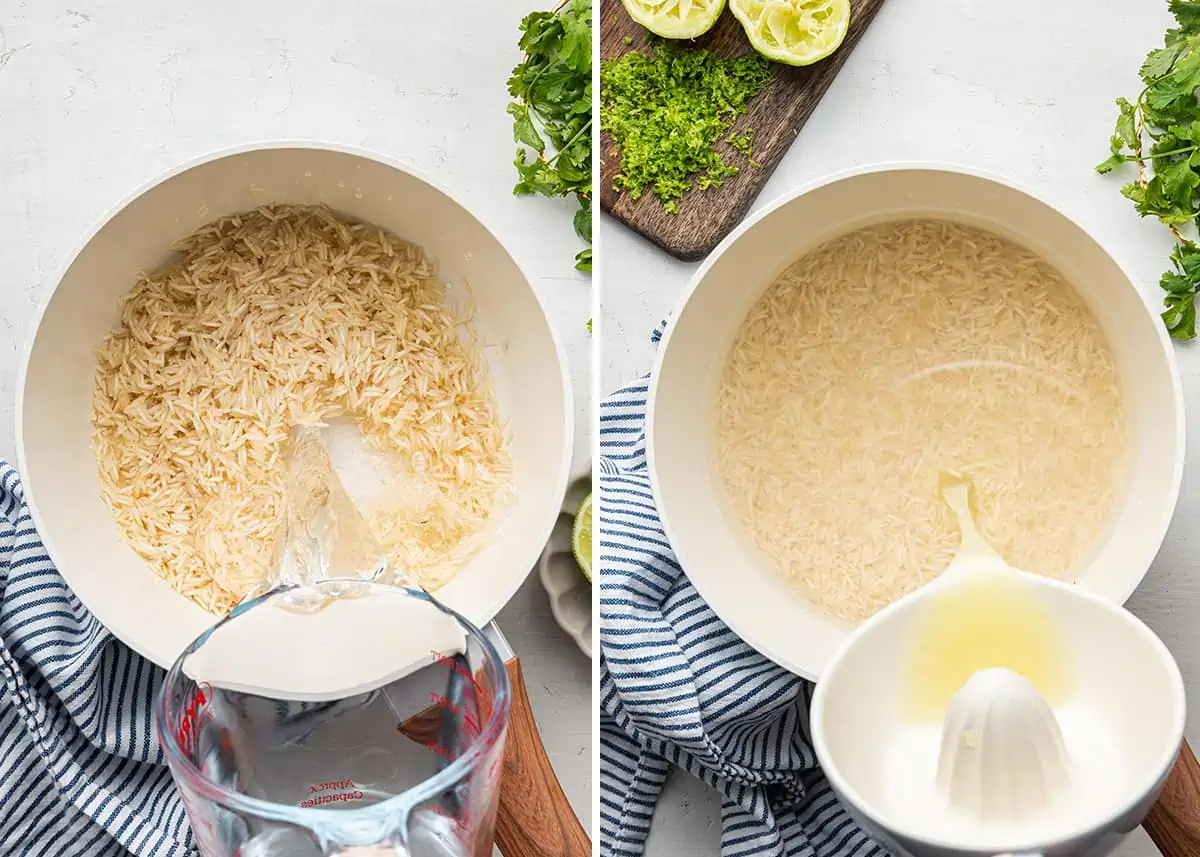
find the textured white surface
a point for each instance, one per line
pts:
(1024, 88)
(97, 98)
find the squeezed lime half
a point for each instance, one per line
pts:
(675, 19)
(581, 537)
(793, 32)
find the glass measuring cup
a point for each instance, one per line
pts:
(359, 742)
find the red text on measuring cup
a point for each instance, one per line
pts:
(187, 722)
(334, 791)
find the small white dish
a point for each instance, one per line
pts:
(1125, 679)
(570, 592)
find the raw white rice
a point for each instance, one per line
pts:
(270, 318)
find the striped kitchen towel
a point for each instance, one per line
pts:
(678, 688)
(81, 772)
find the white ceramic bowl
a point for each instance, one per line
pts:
(751, 597)
(1125, 676)
(570, 593)
(529, 370)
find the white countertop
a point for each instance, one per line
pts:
(96, 98)
(1024, 88)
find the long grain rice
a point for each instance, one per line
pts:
(283, 315)
(889, 356)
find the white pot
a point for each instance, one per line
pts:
(528, 369)
(752, 598)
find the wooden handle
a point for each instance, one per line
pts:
(535, 818)
(1174, 821)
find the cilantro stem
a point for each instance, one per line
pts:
(1182, 151)
(1143, 173)
(1141, 129)
(586, 126)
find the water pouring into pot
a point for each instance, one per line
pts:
(340, 711)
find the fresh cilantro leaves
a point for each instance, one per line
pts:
(1180, 286)
(1160, 133)
(552, 111)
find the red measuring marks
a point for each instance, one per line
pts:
(455, 666)
(187, 722)
(473, 712)
(474, 822)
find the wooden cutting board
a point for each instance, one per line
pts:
(776, 114)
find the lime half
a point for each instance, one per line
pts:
(794, 32)
(581, 537)
(675, 19)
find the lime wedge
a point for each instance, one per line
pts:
(794, 32)
(675, 19)
(581, 537)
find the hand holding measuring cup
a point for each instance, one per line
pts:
(336, 714)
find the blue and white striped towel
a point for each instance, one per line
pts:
(81, 772)
(677, 687)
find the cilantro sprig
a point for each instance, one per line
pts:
(552, 111)
(1160, 133)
